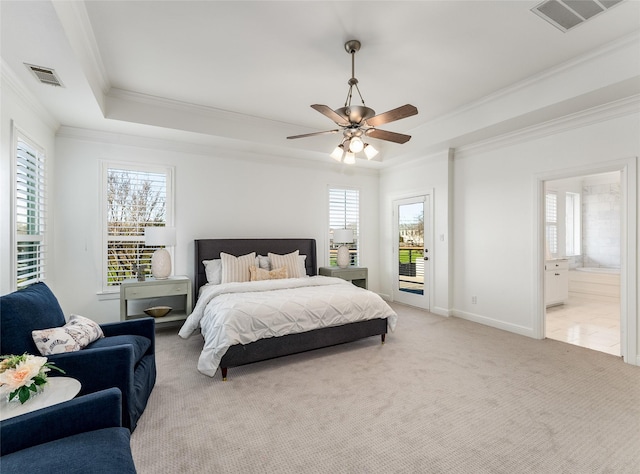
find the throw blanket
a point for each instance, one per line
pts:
(240, 313)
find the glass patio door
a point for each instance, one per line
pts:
(412, 251)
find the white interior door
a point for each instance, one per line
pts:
(412, 251)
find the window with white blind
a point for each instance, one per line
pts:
(344, 213)
(551, 223)
(135, 198)
(29, 212)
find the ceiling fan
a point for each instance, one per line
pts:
(359, 121)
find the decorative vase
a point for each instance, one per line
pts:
(343, 256)
(161, 264)
(16, 399)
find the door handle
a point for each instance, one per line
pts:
(426, 258)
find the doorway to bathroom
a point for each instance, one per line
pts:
(583, 231)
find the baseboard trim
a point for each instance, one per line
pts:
(494, 323)
(441, 311)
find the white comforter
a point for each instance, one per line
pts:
(240, 313)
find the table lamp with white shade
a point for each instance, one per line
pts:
(161, 259)
(343, 236)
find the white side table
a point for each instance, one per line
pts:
(152, 289)
(356, 275)
(57, 390)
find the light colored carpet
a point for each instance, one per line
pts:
(442, 395)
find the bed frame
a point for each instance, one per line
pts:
(269, 348)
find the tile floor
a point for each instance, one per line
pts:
(587, 321)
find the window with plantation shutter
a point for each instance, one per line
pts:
(344, 213)
(29, 212)
(135, 198)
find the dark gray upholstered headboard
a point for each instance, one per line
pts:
(208, 249)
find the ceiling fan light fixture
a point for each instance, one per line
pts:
(337, 153)
(349, 158)
(370, 151)
(356, 145)
(358, 121)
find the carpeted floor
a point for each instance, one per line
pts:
(442, 395)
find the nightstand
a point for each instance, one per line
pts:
(139, 290)
(356, 275)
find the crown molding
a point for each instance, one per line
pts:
(76, 24)
(11, 79)
(190, 108)
(612, 110)
(606, 49)
(220, 149)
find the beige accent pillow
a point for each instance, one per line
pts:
(77, 334)
(236, 268)
(258, 274)
(290, 261)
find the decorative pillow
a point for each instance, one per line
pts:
(291, 261)
(301, 268)
(258, 274)
(263, 262)
(213, 269)
(78, 333)
(236, 268)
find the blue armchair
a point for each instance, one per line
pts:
(83, 435)
(124, 358)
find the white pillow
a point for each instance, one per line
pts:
(213, 269)
(291, 261)
(236, 268)
(78, 333)
(263, 262)
(302, 269)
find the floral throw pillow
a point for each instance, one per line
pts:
(78, 333)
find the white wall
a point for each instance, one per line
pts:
(430, 175)
(493, 242)
(217, 195)
(494, 210)
(18, 107)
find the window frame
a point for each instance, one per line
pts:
(552, 250)
(573, 224)
(38, 239)
(354, 248)
(169, 172)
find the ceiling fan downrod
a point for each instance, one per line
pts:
(352, 47)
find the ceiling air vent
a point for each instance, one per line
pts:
(45, 75)
(567, 14)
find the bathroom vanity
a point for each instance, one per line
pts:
(556, 281)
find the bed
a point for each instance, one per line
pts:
(371, 316)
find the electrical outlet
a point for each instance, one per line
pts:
(474, 299)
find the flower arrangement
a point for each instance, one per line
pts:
(23, 376)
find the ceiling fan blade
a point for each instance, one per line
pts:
(332, 114)
(305, 135)
(392, 115)
(388, 136)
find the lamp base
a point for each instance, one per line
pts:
(344, 259)
(161, 264)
